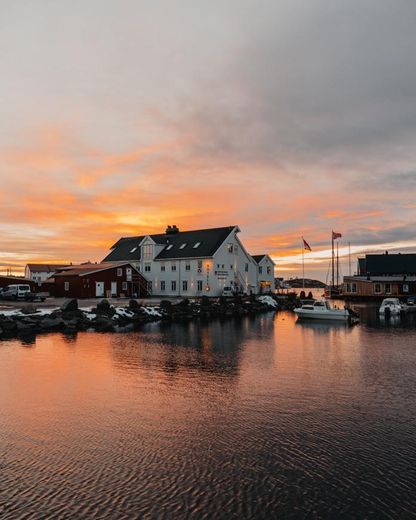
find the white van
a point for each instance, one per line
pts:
(14, 292)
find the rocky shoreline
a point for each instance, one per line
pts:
(70, 318)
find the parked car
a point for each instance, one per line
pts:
(411, 300)
(31, 297)
(15, 292)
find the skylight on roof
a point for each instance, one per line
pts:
(197, 245)
(182, 246)
(133, 250)
(169, 247)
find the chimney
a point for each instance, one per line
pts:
(172, 230)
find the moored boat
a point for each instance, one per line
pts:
(392, 306)
(321, 310)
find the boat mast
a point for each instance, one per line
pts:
(349, 258)
(333, 261)
(303, 264)
(337, 267)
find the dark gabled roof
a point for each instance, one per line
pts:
(389, 264)
(258, 258)
(125, 249)
(361, 266)
(84, 269)
(209, 241)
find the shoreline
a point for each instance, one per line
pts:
(70, 317)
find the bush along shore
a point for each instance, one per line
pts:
(106, 318)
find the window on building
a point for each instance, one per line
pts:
(162, 285)
(147, 267)
(173, 285)
(184, 285)
(387, 288)
(169, 247)
(348, 287)
(236, 250)
(148, 252)
(119, 271)
(353, 287)
(149, 286)
(260, 269)
(163, 267)
(197, 245)
(66, 286)
(199, 285)
(377, 288)
(182, 246)
(246, 267)
(173, 266)
(269, 269)
(199, 266)
(405, 287)
(124, 286)
(187, 266)
(230, 248)
(133, 250)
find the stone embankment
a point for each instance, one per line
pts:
(106, 318)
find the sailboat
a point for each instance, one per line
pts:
(334, 290)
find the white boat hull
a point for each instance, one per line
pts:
(336, 315)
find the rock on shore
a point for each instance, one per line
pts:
(106, 318)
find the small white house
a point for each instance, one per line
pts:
(265, 273)
(41, 272)
(190, 263)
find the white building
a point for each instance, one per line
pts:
(41, 272)
(265, 273)
(192, 263)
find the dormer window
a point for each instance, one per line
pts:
(197, 245)
(169, 247)
(182, 246)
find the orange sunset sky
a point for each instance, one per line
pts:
(287, 118)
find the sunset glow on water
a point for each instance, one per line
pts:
(251, 418)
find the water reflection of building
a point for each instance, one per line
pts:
(214, 347)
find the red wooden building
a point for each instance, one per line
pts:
(110, 279)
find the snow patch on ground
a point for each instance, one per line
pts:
(123, 312)
(268, 300)
(152, 311)
(90, 315)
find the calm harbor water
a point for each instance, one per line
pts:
(257, 418)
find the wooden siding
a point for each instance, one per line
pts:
(367, 288)
(85, 286)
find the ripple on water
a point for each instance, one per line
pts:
(257, 418)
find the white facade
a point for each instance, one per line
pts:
(230, 266)
(265, 275)
(40, 273)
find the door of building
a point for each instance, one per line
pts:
(113, 288)
(99, 289)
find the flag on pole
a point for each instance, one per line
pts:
(306, 245)
(336, 235)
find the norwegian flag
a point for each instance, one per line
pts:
(306, 245)
(336, 235)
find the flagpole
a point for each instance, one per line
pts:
(303, 265)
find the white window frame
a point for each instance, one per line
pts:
(66, 286)
(185, 285)
(119, 271)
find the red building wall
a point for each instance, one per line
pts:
(84, 286)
